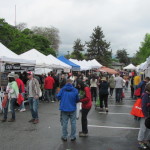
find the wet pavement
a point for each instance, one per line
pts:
(116, 130)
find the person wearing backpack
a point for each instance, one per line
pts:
(144, 132)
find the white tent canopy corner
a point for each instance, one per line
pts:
(60, 64)
(130, 67)
(6, 55)
(41, 60)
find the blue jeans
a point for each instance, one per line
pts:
(65, 116)
(22, 106)
(118, 94)
(48, 94)
(12, 108)
(34, 103)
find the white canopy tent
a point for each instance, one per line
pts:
(6, 55)
(144, 67)
(94, 64)
(41, 60)
(84, 65)
(130, 67)
(59, 63)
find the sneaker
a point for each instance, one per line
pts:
(32, 120)
(11, 120)
(101, 109)
(64, 139)
(3, 120)
(142, 146)
(106, 109)
(52, 101)
(73, 139)
(23, 110)
(81, 134)
(36, 121)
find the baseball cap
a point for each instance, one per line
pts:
(30, 73)
(11, 75)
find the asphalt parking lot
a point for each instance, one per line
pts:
(116, 130)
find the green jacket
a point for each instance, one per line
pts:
(112, 82)
(13, 89)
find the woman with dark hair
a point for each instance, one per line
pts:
(13, 91)
(103, 93)
(86, 100)
(93, 86)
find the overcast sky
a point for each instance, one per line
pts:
(124, 22)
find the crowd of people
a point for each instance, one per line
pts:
(71, 89)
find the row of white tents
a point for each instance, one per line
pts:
(42, 63)
(143, 68)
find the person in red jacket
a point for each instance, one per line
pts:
(48, 86)
(21, 88)
(86, 100)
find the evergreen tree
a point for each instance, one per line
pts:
(78, 47)
(98, 48)
(122, 56)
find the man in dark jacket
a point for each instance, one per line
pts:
(68, 97)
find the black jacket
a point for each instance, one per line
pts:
(103, 88)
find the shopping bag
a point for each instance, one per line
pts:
(137, 92)
(123, 95)
(20, 99)
(4, 102)
(137, 108)
(97, 102)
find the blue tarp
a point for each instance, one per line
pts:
(68, 62)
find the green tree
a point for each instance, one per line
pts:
(144, 50)
(23, 39)
(98, 47)
(122, 56)
(78, 47)
(50, 33)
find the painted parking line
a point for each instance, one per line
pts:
(111, 127)
(122, 105)
(111, 113)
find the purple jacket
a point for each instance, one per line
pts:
(146, 104)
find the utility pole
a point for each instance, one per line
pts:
(15, 16)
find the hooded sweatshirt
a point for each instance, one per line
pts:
(13, 89)
(68, 97)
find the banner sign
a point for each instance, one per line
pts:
(17, 67)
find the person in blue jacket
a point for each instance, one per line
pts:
(142, 84)
(68, 97)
